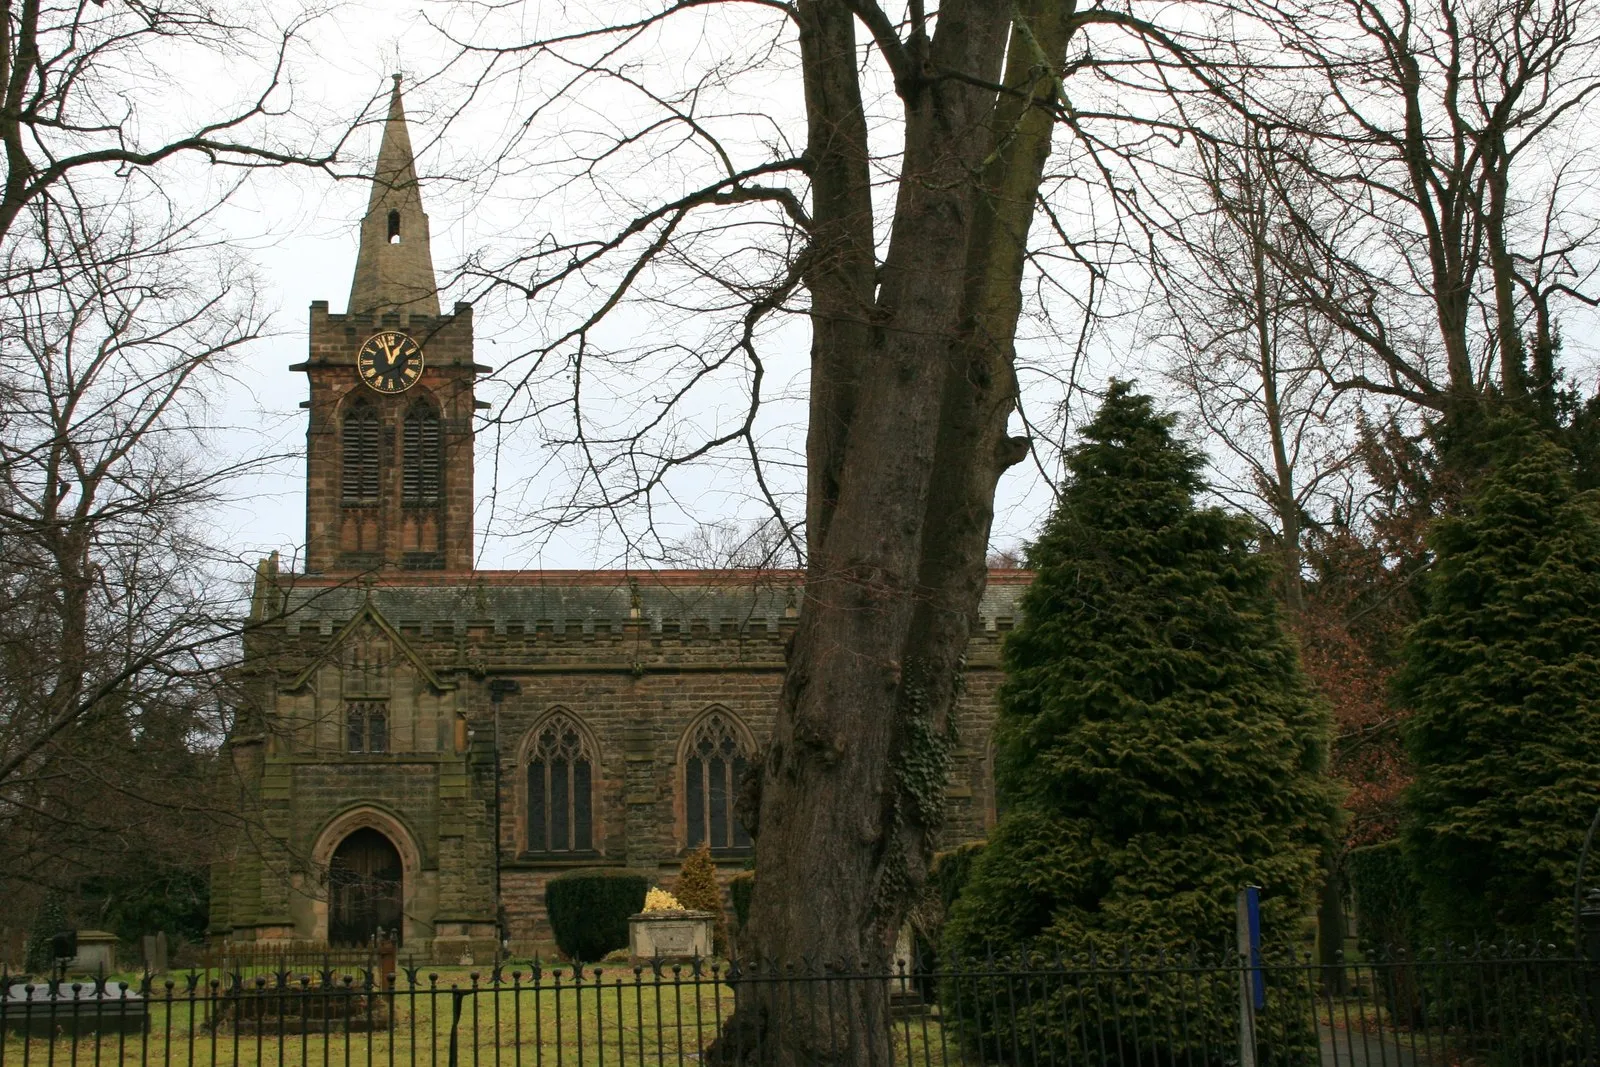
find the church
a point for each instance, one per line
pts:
(419, 745)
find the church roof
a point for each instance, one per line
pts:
(581, 600)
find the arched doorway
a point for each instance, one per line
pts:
(365, 887)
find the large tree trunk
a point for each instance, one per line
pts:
(908, 437)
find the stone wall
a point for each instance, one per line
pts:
(635, 660)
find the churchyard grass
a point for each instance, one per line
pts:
(617, 1018)
(510, 1026)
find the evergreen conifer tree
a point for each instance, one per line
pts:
(697, 889)
(1503, 676)
(1157, 743)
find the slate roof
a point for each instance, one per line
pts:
(570, 599)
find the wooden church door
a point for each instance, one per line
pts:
(364, 888)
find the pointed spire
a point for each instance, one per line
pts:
(394, 268)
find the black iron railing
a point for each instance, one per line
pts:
(1477, 1007)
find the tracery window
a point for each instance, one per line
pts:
(714, 762)
(560, 788)
(362, 456)
(423, 458)
(367, 726)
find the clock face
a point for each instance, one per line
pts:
(390, 362)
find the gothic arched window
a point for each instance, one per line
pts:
(714, 762)
(423, 461)
(560, 788)
(362, 456)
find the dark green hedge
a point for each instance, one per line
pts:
(741, 888)
(946, 878)
(951, 869)
(589, 910)
(1388, 898)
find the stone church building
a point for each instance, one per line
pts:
(421, 745)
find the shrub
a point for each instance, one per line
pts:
(1389, 915)
(950, 871)
(48, 921)
(148, 896)
(741, 889)
(946, 878)
(1388, 899)
(589, 910)
(661, 900)
(698, 890)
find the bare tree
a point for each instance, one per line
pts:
(895, 213)
(116, 615)
(1249, 353)
(728, 545)
(1454, 212)
(88, 92)
(117, 321)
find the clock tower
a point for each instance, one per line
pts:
(389, 441)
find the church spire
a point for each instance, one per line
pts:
(394, 269)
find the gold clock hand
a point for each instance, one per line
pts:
(380, 358)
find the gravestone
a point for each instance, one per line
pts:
(97, 952)
(155, 953)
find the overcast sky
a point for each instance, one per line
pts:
(485, 199)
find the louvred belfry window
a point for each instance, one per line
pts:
(424, 458)
(560, 789)
(361, 456)
(712, 769)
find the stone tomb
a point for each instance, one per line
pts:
(73, 1008)
(669, 935)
